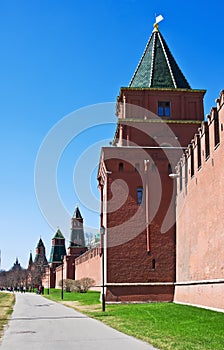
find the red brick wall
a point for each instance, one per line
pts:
(185, 104)
(141, 256)
(58, 275)
(73, 253)
(146, 293)
(128, 259)
(89, 265)
(200, 225)
(141, 107)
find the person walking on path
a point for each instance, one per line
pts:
(38, 323)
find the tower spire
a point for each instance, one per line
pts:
(77, 232)
(157, 67)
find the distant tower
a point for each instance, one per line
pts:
(57, 249)
(77, 242)
(40, 258)
(16, 265)
(30, 263)
(77, 238)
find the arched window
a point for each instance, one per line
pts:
(139, 195)
(121, 167)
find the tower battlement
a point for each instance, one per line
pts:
(203, 146)
(199, 213)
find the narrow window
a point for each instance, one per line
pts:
(216, 128)
(139, 195)
(192, 160)
(207, 144)
(121, 167)
(186, 170)
(181, 177)
(153, 264)
(199, 151)
(164, 109)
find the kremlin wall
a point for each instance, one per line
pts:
(200, 208)
(161, 191)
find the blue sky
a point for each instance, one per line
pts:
(59, 56)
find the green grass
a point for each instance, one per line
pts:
(90, 298)
(167, 326)
(6, 307)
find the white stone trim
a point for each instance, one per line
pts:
(140, 284)
(188, 283)
(199, 306)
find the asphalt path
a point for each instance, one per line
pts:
(38, 323)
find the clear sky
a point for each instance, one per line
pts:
(59, 56)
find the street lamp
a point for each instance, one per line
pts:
(174, 176)
(48, 282)
(102, 233)
(62, 283)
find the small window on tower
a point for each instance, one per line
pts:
(153, 264)
(121, 167)
(139, 195)
(164, 109)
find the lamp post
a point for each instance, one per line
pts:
(62, 283)
(146, 163)
(102, 233)
(48, 282)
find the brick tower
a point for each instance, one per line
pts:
(158, 114)
(58, 251)
(77, 233)
(77, 243)
(40, 258)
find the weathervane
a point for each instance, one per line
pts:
(156, 24)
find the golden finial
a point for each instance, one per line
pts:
(156, 24)
(156, 27)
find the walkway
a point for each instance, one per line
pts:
(38, 323)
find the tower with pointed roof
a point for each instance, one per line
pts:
(57, 254)
(157, 67)
(58, 250)
(16, 265)
(77, 245)
(37, 267)
(77, 238)
(30, 263)
(158, 114)
(40, 258)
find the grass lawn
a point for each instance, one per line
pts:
(6, 307)
(167, 326)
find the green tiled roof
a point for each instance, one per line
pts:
(59, 235)
(157, 67)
